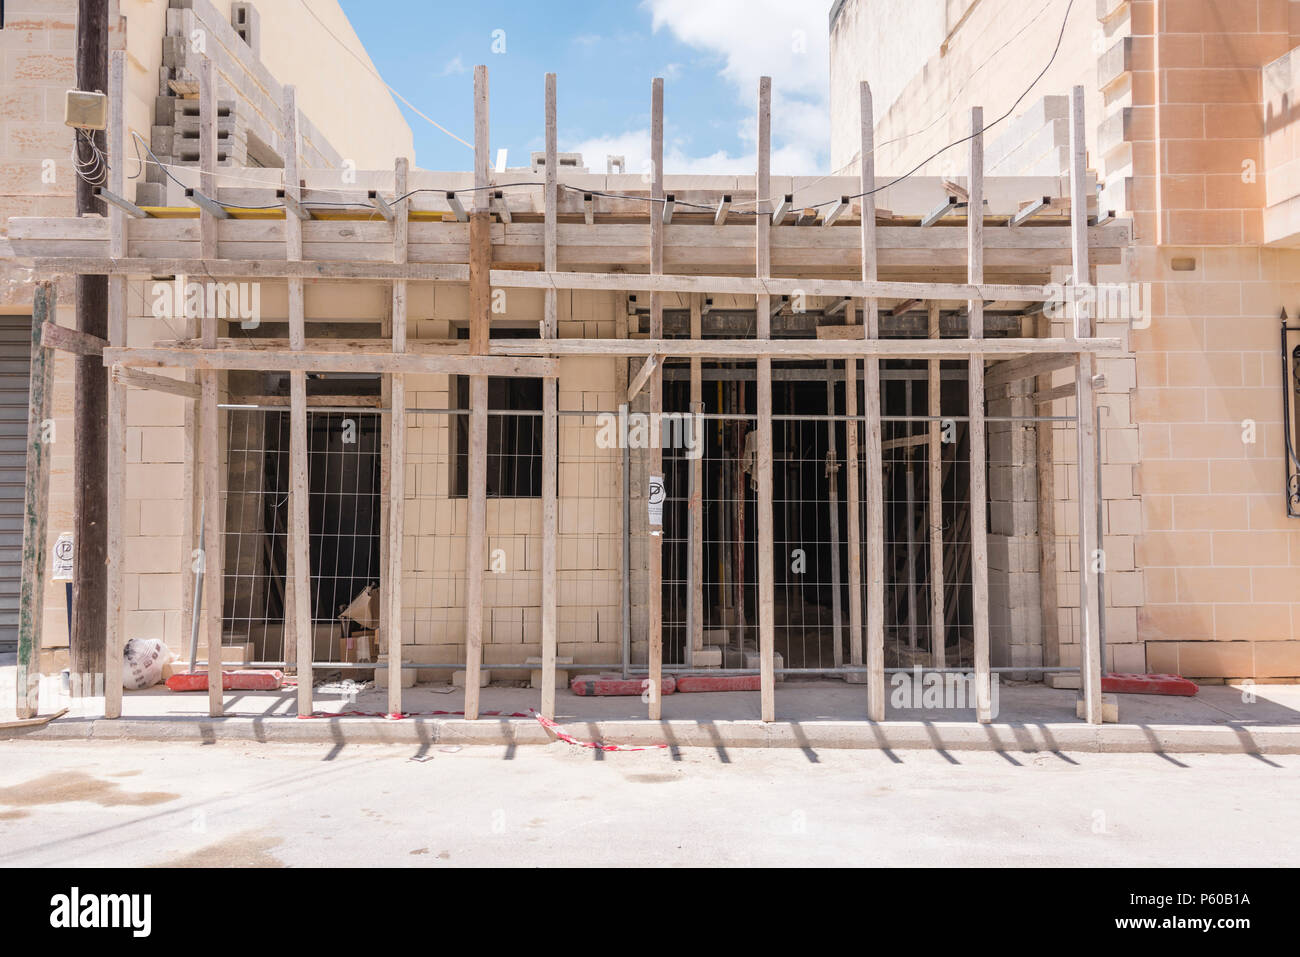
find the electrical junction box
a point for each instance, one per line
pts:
(85, 111)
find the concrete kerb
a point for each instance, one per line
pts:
(864, 735)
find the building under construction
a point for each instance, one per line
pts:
(422, 425)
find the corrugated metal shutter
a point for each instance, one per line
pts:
(15, 369)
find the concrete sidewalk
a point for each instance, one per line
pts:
(1260, 719)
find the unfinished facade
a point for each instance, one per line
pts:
(697, 423)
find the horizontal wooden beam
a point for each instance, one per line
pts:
(251, 269)
(798, 348)
(752, 285)
(1024, 368)
(156, 383)
(1063, 391)
(54, 336)
(272, 360)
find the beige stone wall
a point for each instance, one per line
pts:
(345, 102)
(1191, 132)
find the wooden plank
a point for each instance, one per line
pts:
(871, 410)
(934, 471)
(1090, 554)
(1013, 370)
(642, 377)
(745, 286)
(480, 296)
(766, 544)
(833, 507)
(224, 269)
(1044, 464)
(74, 341)
(550, 417)
(396, 513)
(852, 494)
(115, 446)
(1048, 395)
(36, 506)
(297, 642)
(654, 457)
(799, 348)
(210, 437)
(265, 360)
(979, 562)
(156, 383)
(695, 500)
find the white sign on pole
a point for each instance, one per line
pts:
(656, 500)
(61, 561)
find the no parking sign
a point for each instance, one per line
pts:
(61, 561)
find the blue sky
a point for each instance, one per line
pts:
(710, 53)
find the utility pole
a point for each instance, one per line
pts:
(90, 412)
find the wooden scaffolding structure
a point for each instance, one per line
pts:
(691, 243)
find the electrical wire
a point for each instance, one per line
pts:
(373, 72)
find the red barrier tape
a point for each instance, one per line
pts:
(564, 736)
(409, 714)
(546, 723)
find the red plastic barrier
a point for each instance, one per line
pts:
(589, 686)
(1148, 684)
(687, 683)
(230, 681)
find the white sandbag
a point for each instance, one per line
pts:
(145, 663)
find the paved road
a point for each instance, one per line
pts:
(135, 804)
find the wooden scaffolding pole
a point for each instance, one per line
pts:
(938, 622)
(979, 561)
(695, 501)
(833, 505)
(1045, 465)
(550, 415)
(36, 500)
(1090, 555)
(871, 409)
(852, 496)
(397, 447)
(298, 620)
(214, 519)
(480, 305)
(114, 606)
(766, 533)
(655, 453)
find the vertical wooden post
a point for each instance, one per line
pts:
(214, 519)
(695, 507)
(550, 414)
(979, 551)
(114, 605)
(871, 410)
(480, 305)
(36, 501)
(766, 531)
(298, 618)
(296, 301)
(397, 447)
(1044, 461)
(1090, 611)
(833, 504)
(655, 387)
(938, 624)
(852, 496)
(298, 621)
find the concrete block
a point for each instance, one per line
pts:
(753, 659)
(1056, 679)
(1109, 708)
(718, 637)
(381, 676)
(561, 672)
(484, 677)
(707, 657)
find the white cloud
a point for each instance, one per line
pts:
(784, 39)
(452, 67)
